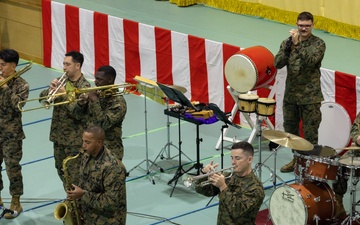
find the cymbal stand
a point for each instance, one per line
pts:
(353, 214)
(166, 148)
(146, 160)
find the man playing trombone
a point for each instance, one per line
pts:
(106, 108)
(240, 195)
(13, 89)
(66, 127)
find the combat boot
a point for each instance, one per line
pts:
(15, 206)
(288, 167)
(340, 210)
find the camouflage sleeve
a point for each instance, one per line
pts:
(312, 55)
(242, 204)
(111, 115)
(114, 191)
(17, 93)
(355, 129)
(281, 58)
(207, 190)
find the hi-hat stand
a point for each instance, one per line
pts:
(145, 83)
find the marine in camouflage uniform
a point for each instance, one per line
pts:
(12, 134)
(302, 54)
(66, 126)
(241, 195)
(101, 193)
(340, 185)
(106, 109)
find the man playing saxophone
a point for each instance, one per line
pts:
(101, 192)
(12, 134)
(66, 128)
(105, 109)
(241, 195)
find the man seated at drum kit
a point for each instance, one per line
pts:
(347, 161)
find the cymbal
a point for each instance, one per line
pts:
(179, 88)
(350, 161)
(288, 140)
(352, 147)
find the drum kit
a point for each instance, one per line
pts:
(310, 200)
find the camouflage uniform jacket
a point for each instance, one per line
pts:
(103, 178)
(66, 127)
(10, 119)
(303, 64)
(109, 113)
(240, 202)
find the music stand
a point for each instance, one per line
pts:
(180, 98)
(222, 117)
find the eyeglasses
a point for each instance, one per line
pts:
(306, 26)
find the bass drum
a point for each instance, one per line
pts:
(302, 204)
(250, 68)
(335, 126)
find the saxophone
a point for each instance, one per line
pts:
(68, 210)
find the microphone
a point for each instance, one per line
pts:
(12, 212)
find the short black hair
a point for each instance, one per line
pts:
(9, 55)
(305, 16)
(245, 146)
(98, 132)
(77, 57)
(108, 71)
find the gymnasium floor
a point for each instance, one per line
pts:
(148, 194)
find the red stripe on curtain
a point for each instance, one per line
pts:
(163, 55)
(72, 28)
(228, 51)
(101, 40)
(132, 55)
(47, 32)
(345, 92)
(198, 69)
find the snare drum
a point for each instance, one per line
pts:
(349, 163)
(322, 166)
(302, 204)
(250, 68)
(265, 106)
(247, 102)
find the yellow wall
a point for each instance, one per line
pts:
(21, 28)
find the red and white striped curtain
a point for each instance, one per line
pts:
(164, 56)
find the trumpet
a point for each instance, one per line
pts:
(190, 179)
(72, 95)
(17, 74)
(52, 94)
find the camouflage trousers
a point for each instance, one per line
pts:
(60, 153)
(11, 153)
(310, 115)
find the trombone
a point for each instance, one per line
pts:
(17, 74)
(107, 90)
(190, 179)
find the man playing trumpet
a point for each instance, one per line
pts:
(241, 195)
(66, 127)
